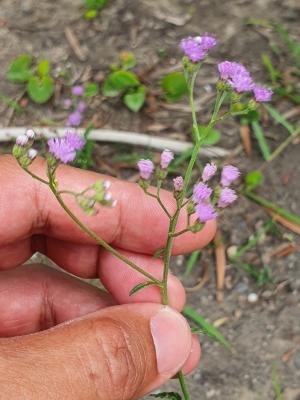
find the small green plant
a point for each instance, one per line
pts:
(36, 77)
(93, 7)
(125, 83)
(174, 86)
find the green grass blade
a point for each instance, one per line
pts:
(279, 118)
(272, 71)
(191, 262)
(273, 207)
(253, 240)
(207, 328)
(260, 137)
(276, 384)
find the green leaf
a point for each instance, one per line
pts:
(192, 314)
(191, 262)
(279, 118)
(167, 396)
(174, 86)
(95, 4)
(127, 59)
(43, 68)
(260, 137)
(119, 81)
(135, 100)
(19, 70)
(253, 179)
(40, 89)
(141, 286)
(272, 71)
(90, 14)
(91, 89)
(209, 138)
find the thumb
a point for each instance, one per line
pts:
(122, 352)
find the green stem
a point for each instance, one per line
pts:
(36, 177)
(100, 241)
(183, 386)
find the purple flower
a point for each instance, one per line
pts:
(62, 150)
(227, 197)
(81, 106)
(67, 103)
(165, 158)
(262, 94)
(178, 183)
(229, 174)
(209, 171)
(32, 153)
(75, 141)
(201, 192)
(205, 212)
(78, 90)
(74, 119)
(196, 48)
(22, 140)
(146, 168)
(236, 75)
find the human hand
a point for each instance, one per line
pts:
(106, 351)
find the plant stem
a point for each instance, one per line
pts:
(183, 386)
(36, 177)
(100, 241)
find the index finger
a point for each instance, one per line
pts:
(137, 223)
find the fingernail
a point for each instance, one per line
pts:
(172, 340)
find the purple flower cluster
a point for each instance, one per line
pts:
(79, 106)
(202, 193)
(146, 167)
(196, 48)
(239, 78)
(64, 149)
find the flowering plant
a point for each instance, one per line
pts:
(206, 201)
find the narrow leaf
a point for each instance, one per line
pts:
(167, 396)
(259, 134)
(141, 286)
(208, 328)
(191, 262)
(279, 118)
(273, 207)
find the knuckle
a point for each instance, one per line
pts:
(122, 360)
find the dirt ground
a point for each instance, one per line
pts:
(267, 332)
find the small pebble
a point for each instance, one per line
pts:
(252, 298)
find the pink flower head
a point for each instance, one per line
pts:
(74, 119)
(22, 140)
(196, 48)
(30, 134)
(227, 197)
(67, 103)
(229, 174)
(61, 149)
(64, 149)
(75, 141)
(201, 192)
(32, 153)
(209, 171)
(81, 106)
(165, 158)
(262, 94)
(178, 183)
(205, 212)
(78, 90)
(236, 75)
(146, 168)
